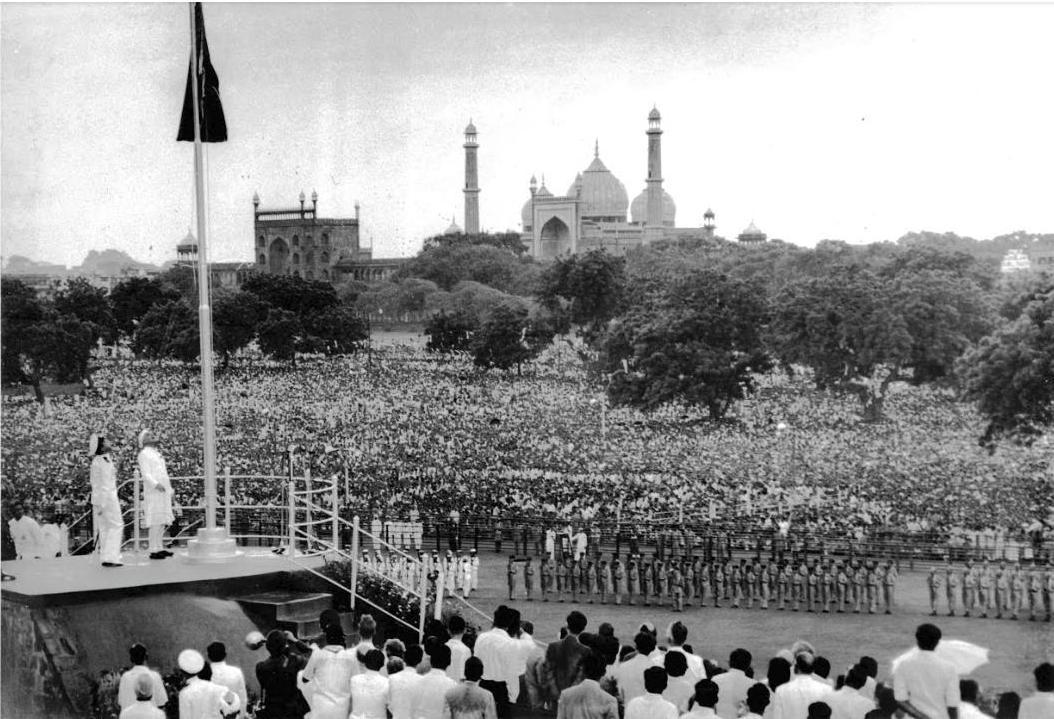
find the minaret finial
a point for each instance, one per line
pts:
(596, 148)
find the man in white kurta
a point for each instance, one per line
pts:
(106, 509)
(26, 534)
(157, 494)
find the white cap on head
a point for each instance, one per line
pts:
(93, 444)
(145, 437)
(191, 661)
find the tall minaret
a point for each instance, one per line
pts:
(471, 182)
(653, 216)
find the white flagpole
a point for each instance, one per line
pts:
(204, 310)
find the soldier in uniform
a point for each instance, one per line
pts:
(798, 580)
(561, 579)
(1002, 591)
(689, 581)
(812, 587)
(547, 577)
(951, 586)
(826, 587)
(676, 581)
(785, 572)
(647, 573)
(632, 579)
(574, 573)
(604, 580)
(764, 580)
(730, 566)
(1035, 591)
(661, 585)
(842, 583)
(618, 573)
(528, 576)
(859, 587)
(934, 581)
(750, 581)
(984, 588)
(737, 584)
(591, 579)
(511, 570)
(585, 571)
(718, 583)
(1048, 589)
(702, 580)
(969, 588)
(889, 586)
(1018, 585)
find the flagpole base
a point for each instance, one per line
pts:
(212, 545)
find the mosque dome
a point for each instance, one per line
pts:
(601, 194)
(453, 229)
(188, 243)
(639, 209)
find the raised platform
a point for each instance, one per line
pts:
(72, 580)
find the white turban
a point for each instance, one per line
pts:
(145, 437)
(191, 661)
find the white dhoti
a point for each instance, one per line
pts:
(106, 510)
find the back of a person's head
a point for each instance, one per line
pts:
(678, 633)
(576, 622)
(276, 642)
(593, 666)
(821, 667)
(473, 669)
(758, 697)
(740, 659)
(144, 687)
(440, 657)
(456, 625)
(137, 654)
(624, 651)
(819, 710)
(886, 700)
(968, 690)
(705, 694)
(414, 654)
(1044, 675)
(395, 665)
(676, 664)
(606, 630)
(501, 617)
(527, 627)
(927, 636)
(803, 662)
(327, 617)
(645, 643)
(334, 634)
(856, 677)
(870, 666)
(779, 672)
(216, 652)
(655, 680)
(395, 648)
(367, 627)
(374, 660)
(1009, 705)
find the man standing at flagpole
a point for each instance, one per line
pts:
(157, 494)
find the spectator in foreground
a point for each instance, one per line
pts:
(630, 674)
(679, 688)
(562, 657)
(1041, 704)
(678, 635)
(126, 692)
(587, 700)
(758, 697)
(143, 708)
(848, 702)
(370, 691)
(328, 674)
(466, 700)
(459, 651)
(226, 675)
(1009, 706)
(651, 705)
(200, 698)
(704, 700)
(434, 684)
(402, 687)
(277, 678)
(793, 698)
(925, 685)
(968, 709)
(819, 710)
(733, 685)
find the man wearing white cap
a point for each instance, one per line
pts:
(200, 698)
(143, 707)
(106, 509)
(157, 494)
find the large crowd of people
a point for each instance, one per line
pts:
(409, 434)
(503, 672)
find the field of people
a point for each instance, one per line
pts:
(416, 432)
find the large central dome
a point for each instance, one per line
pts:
(600, 193)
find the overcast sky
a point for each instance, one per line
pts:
(853, 122)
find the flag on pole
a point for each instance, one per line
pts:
(213, 124)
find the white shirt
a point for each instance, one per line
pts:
(369, 696)
(650, 706)
(402, 687)
(328, 673)
(699, 712)
(930, 683)
(27, 536)
(142, 710)
(792, 699)
(231, 677)
(1038, 706)
(204, 700)
(495, 649)
(678, 691)
(429, 693)
(732, 689)
(695, 663)
(126, 687)
(459, 654)
(970, 711)
(630, 677)
(849, 703)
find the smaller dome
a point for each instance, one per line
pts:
(256, 199)
(470, 129)
(453, 229)
(752, 229)
(302, 198)
(654, 114)
(188, 243)
(638, 210)
(709, 214)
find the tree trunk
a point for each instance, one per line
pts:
(37, 391)
(873, 405)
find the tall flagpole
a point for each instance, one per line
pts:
(204, 310)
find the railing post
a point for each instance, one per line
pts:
(354, 558)
(136, 479)
(336, 515)
(347, 480)
(227, 499)
(423, 585)
(309, 529)
(292, 518)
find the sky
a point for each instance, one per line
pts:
(854, 122)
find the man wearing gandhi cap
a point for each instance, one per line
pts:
(200, 698)
(157, 494)
(143, 707)
(106, 509)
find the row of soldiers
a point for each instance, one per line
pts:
(1002, 590)
(825, 586)
(458, 573)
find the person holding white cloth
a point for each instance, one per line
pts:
(157, 494)
(106, 508)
